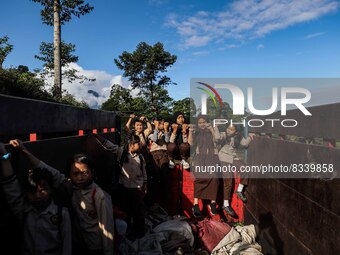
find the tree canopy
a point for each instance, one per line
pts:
(67, 57)
(67, 9)
(186, 105)
(5, 49)
(55, 13)
(145, 68)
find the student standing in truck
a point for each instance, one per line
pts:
(46, 226)
(90, 206)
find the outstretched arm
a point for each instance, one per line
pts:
(128, 123)
(148, 130)
(246, 141)
(10, 185)
(58, 177)
(105, 143)
(18, 144)
(6, 167)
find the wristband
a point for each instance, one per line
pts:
(6, 156)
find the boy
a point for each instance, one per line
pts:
(91, 207)
(46, 226)
(132, 180)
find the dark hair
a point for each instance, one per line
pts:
(80, 158)
(137, 120)
(201, 116)
(235, 126)
(131, 138)
(35, 176)
(175, 116)
(158, 118)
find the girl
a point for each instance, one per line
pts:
(138, 129)
(159, 178)
(179, 148)
(230, 141)
(205, 184)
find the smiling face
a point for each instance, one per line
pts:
(80, 174)
(202, 123)
(139, 127)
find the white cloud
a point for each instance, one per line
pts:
(310, 36)
(102, 85)
(197, 41)
(247, 19)
(200, 53)
(260, 46)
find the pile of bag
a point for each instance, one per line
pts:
(176, 235)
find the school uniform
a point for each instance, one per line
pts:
(132, 179)
(178, 147)
(44, 233)
(158, 181)
(205, 184)
(93, 216)
(227, 156)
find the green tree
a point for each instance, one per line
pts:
(186, 105)
(5, 49)
(22, 83)
(120, 99)
(162, 102)
(145, 68)
(55, 13)
(67, 57)
(71, 100)
(217, 111)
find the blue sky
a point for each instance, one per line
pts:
(245, 38)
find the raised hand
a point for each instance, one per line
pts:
(156, 123)
(174, 127)
(166, 126)
(18, 144)
(185, 128)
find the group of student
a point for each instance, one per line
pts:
(84, 222)
(81, 224)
